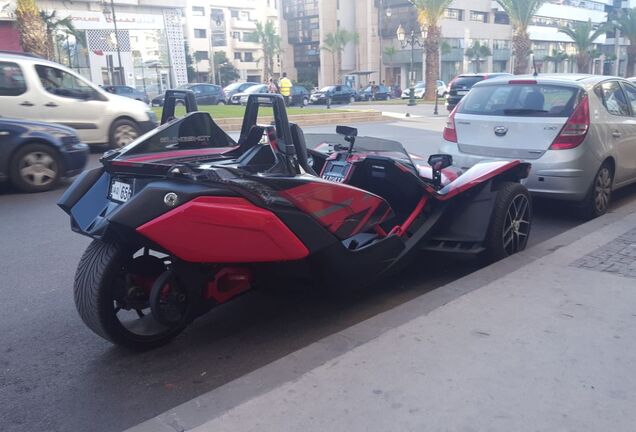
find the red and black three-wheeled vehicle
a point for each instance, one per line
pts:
(185, 218)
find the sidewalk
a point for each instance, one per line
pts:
(542, 341)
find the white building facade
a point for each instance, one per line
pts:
(228, 26)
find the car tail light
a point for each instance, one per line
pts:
(575, 129)
(450, 133)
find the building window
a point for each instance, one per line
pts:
(201, 55)
(478, 16)
(500, 44)
(250, 37)
(200, 33)
(234, 13)
(455, 14)
(237, 56)
(454, 42)
(502, 18)
(198, 11)
(236, 36)
(249, 57)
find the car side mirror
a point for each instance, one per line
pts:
(438, 162)
(346, 131)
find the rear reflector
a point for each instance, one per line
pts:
(522, 82)
(575, 129)
(450, 133)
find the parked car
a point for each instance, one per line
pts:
(461, 85)
(234, 88)
(420, 89)
(381, 93)
(127, 91)
(241, 98)
(35, 89)
(35, 156)
(299, 96)
(205, 94)
(578, 131)
(333, 94)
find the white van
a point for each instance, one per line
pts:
(36, 89)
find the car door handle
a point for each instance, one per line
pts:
(27, 103)
(617, 134)
(51, 105)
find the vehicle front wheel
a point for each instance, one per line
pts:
(221, 102)
(305, 101)
(352, 99)
(122, 133)
(35, 168)
(112, 295)
(510, 222)
(598, 197)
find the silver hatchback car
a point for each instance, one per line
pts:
(577, 131)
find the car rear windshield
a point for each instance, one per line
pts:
(529, 100)
(467, 82)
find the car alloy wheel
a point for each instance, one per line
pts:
(38, 169)
(517, 225)
(124, 135)
(602, 189)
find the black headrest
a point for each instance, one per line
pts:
(298, 138)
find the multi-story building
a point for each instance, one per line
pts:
(146, 50)
(228, 26)
(305, 23)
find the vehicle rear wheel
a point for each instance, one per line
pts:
(221, 102)
(598, 197)
(35, 168)
(305, 101)
(122, 133)
(510, 222)
(352, 99)
(112, 295)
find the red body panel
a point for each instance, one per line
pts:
(476, 175)
(224, 230)
(343, 210)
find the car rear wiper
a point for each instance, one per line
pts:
(523, 111)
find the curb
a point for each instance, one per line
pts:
(210, 405)
(304, 120)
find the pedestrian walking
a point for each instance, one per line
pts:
(285, 86)
(272, 87)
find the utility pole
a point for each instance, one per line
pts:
(211, 61)
(122, 78)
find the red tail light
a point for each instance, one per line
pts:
(575, 129)
(450, 133)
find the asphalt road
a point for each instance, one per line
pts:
(55, 375)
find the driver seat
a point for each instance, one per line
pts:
(298, 139)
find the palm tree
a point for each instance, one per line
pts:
(557, 58)
(54, 25)
(477, 53)
(521, 13)
(269, 39)
(625, 22)
(429, 14)
(335, 43)
(31, 28)
(583, 35)
(355, 40)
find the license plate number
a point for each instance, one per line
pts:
(120, 191)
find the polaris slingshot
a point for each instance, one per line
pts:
(185, 218)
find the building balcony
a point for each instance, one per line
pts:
(236, 24)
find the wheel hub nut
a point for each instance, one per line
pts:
(171, 199)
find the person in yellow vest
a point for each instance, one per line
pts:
(285, 86)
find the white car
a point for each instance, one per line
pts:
(577, 131)
(420, 88)
(35, 89)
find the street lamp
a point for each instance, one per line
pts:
(413, 39)
(108, 12)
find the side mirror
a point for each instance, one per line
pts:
(346, 131)
(438, 162)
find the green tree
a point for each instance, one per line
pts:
(335, 43)
(557, 57)
(355, 40)
(478, 53)
(269, 39)
(31, 28)
(225, 71)
(429, 14)
(521, 13)
(189, 60)
(583, 34)
(625, 22)
(55, 25)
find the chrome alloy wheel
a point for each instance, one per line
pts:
(516, 225)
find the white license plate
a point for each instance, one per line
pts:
(462, 92)
(120, 191)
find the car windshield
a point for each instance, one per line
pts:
(467, 82)
(328, 88)
(420, 85)
(233, 86)
(528, 100)
(256, 89)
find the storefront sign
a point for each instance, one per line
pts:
(84, 20)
